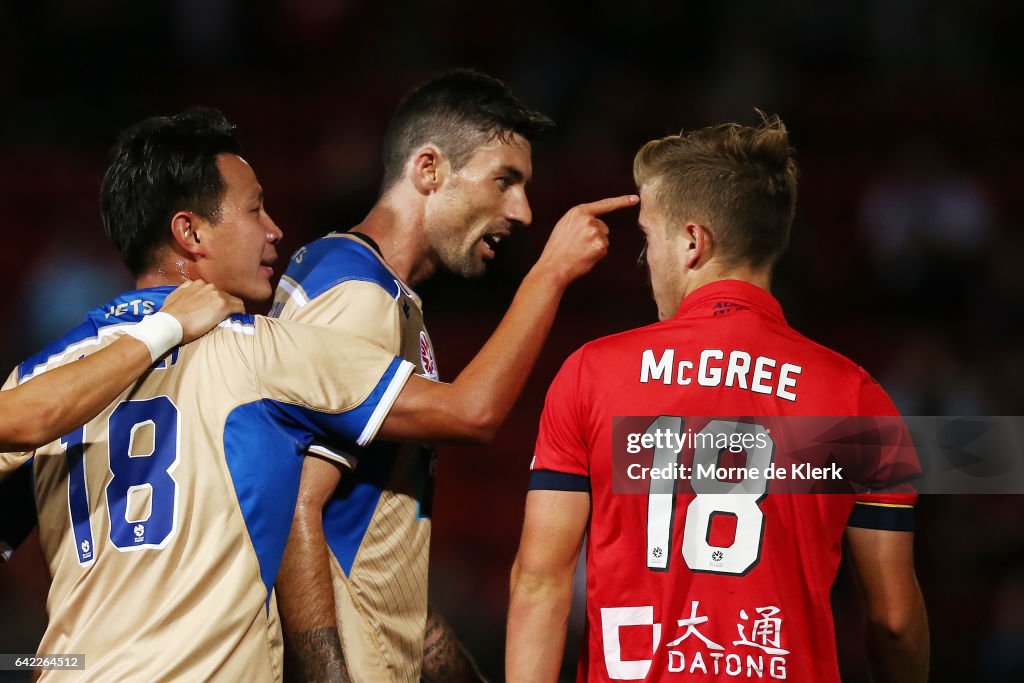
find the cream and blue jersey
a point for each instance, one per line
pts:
(164, 519)
(377, 522)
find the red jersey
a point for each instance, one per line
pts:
(711, 586)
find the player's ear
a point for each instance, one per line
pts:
(185, 229)
(428, 169)
(697, 240)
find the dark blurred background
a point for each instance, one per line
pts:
(906, 253)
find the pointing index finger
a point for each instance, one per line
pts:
(603, 206)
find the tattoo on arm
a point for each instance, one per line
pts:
(315, 656)
(445, 660)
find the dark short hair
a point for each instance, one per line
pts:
(158, 167)
(739, 181)
(457, 111)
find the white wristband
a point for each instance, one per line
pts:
(160, 332)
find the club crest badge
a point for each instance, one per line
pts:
(427, 361)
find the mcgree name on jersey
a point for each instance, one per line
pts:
(716, 367)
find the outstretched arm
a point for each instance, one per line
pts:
(60, 400)
(541, 584)
(897, 630)
(471, 408)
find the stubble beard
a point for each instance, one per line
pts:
(458, 256)
(465, 263)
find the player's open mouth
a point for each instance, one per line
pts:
(492, 241)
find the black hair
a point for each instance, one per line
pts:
(458, 111)
(158, 167)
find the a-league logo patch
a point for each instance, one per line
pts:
(427, 361)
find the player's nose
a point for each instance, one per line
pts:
(274, 233)
(518, 208)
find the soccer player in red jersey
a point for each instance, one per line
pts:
(670, 594)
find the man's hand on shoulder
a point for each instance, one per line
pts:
(199, 307)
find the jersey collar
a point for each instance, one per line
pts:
(131, 306)
(726, 296)
(369, 241)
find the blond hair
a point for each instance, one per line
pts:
(740, 182)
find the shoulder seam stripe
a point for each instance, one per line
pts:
(40, 368)
(238, 326)
(294, 290)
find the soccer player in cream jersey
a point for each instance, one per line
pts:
(163, 520)
(353, 586)
(671, 594)
(40, 410)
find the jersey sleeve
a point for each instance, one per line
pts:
(560, 460)
(325, 383)
(361, 308)
(894, 466)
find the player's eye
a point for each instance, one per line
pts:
(256, 210)
(504, 182)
